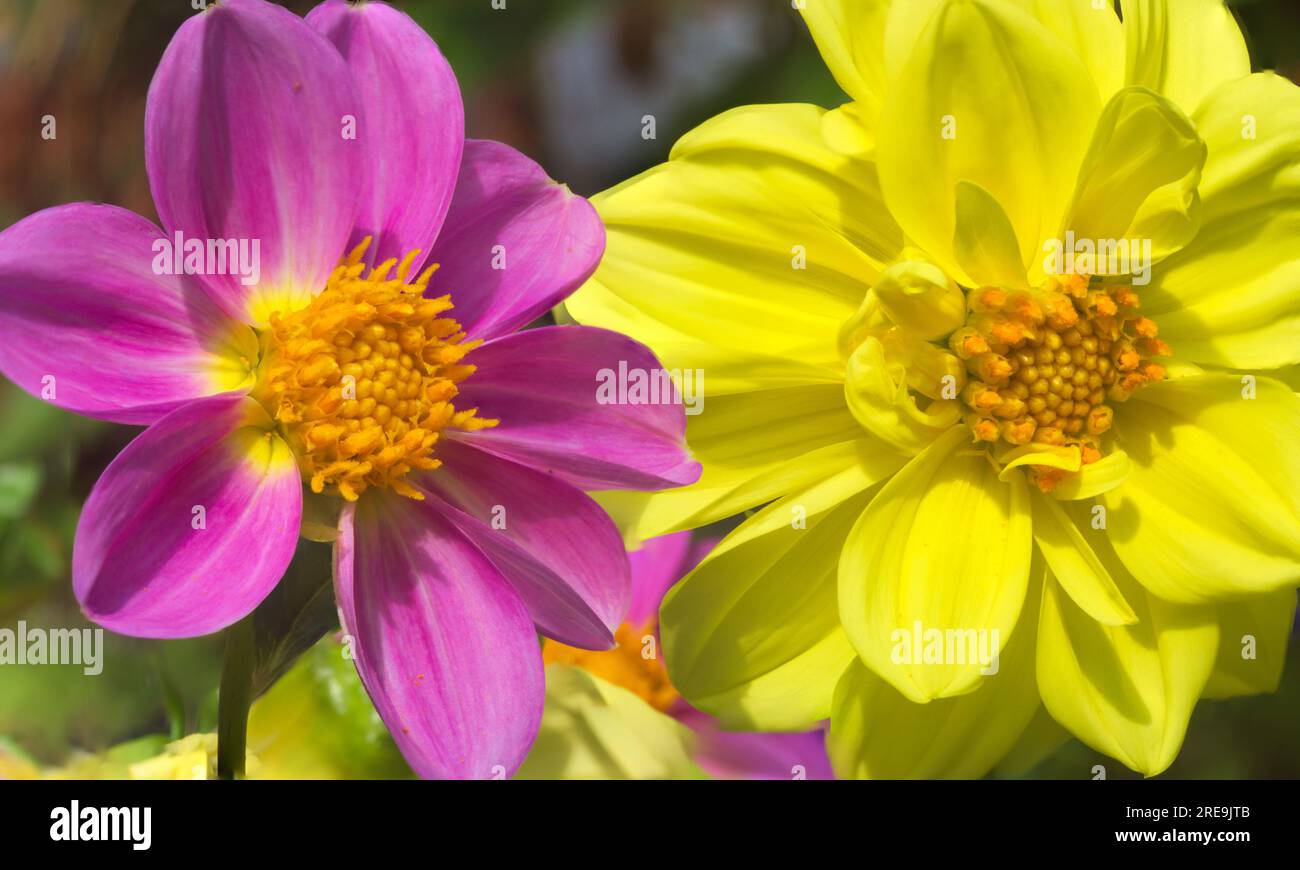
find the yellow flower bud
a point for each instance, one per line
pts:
(917, 296)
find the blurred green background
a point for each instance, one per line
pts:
(565, 81)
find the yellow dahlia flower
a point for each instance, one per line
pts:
(999, 346)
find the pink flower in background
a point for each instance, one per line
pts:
(656, 567)
(453, 448)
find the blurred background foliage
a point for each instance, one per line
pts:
(567, 82)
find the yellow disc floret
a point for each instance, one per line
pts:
(1047, 365)
(362, 380)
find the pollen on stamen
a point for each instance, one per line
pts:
(1047, 365)
(362, 380)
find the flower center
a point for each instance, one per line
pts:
(1046, 366)
(361, 380)
(626, 665)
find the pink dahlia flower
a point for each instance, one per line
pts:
(340, 370)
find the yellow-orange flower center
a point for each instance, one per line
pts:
(634, 664)
(362, 380)
(1046, 366)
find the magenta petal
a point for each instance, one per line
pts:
(757, 755)
(246, 138)
(542, 385)
(442, 642)
(412, 123)
(191, 525)
(515, 243)
(90, 327)
(560, 551)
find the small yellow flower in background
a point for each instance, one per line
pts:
(192, 757)
(150, 757)
(999, 344)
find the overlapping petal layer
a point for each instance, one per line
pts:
(1183, 49)
(546, 384)
(1211, 506)
(752, 211)
(1232, 297)
(877, 733)
(555, 546)
(1127, 691)
(945, 546)
(760, 446)
(514, 244)
(743, 642)
(941, 125)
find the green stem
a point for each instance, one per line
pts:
(234, 700)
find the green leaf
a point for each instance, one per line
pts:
(592, 729)
(32, 426)
(19, 484)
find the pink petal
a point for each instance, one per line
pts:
(244, 139)
(542, 385)
(191, 526)
(443, 644)
(560, 551)
(757, 755)
(88, 325)
(515, 242)
(412, 122)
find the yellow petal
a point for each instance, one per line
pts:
(877, 395)
(944, 547)
(756, 238)
(858, 468)
(904, 25)
(758, 446)
(1095, 478)
(1076, 567)
(592, 729)
(989, 96)
(723, 371)
(1127, 691)
(752, 635)
(1094, 33)
(1231, 297)
(1183, 49)
(918, 297)
(1143, 147)
(1290, 375)
(876, 732)
(1065, 458)
(985, 243)
(1253, 635)
(1211, 507)
(849, 131)
(850, 34)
